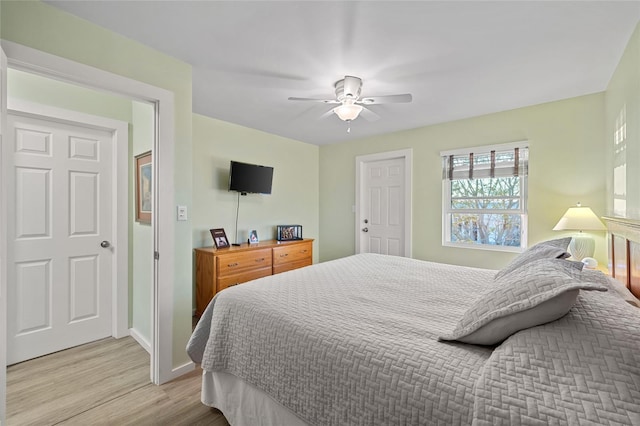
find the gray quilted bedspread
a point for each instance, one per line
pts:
(354, 341)
(351, 341)
(581, 369)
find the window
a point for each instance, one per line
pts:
(485, 197)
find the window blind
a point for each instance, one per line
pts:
(487, 164)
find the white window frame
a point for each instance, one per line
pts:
(447, 211)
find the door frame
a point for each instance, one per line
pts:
(3, 239)
(361, 161)
(119, 212)
(38, 62)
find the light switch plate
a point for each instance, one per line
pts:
(182, 213)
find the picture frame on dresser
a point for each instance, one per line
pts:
(219, 238)
(288, 232)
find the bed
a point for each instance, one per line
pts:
(373, 339)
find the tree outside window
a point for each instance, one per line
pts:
(485, 198)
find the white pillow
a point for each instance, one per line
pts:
(536, 293)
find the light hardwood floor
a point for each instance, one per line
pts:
(102, 383)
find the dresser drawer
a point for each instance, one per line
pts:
(242, 277)
(291, 253)
(233, 263)
(284, 267)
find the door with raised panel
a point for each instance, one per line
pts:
(59, 220)
(382, 225)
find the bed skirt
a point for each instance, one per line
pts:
(242, 403)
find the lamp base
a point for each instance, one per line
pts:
(582, 246)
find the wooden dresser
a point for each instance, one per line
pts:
(217, 269)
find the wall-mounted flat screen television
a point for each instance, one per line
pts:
(250, 178)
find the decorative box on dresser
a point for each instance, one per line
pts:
(217, 269)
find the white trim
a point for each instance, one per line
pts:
(181, 370)
(486, 247)
(120, 237)
(407, 155)
(486, 148)
(140, 339)
(3, 239)
(163, 242)
(32, 60)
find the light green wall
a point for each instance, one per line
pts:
(294, 197)
(47, 91)
(566, 165)
(141, 233)
(623, 92)
(51, 30)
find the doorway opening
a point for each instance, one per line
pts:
(33, 61)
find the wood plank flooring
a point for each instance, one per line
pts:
(102, 383)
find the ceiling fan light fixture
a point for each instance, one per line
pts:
(348, 112)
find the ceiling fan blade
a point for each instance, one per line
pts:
(388, 99)
(326, 114)
(369, 115)
(326, 101)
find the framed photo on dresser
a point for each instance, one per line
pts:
(219, 238)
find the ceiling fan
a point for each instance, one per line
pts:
(350, 106)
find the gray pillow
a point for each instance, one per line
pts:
(618, 288)
(562, 243)
(552, 249)
(538, 292)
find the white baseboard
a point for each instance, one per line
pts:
(141, 340)
(182, 370)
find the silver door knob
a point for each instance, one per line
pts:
(105, 244)
(365, 229)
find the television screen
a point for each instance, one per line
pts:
(252, 178)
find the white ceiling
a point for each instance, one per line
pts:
(457, 58)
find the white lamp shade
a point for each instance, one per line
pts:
(348, 112)
(579, 219)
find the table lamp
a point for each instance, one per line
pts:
(580, 218)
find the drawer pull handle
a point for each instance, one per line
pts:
(231, 265)
(284, 255)
(260, 260)
(303, 251)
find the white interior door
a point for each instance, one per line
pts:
(383, 215)
(384, 203)
(59, 220)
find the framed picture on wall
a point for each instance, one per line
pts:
(219, 237)
(143, 187)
